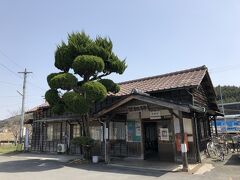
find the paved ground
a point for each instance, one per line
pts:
(44, 167)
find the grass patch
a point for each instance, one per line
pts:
(7, 148)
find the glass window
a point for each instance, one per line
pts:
(118, 130)
(95, 132)
(56, 131)
(76, 130)
(49, 132)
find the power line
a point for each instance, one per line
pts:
(36, 86)
(14, 62)
(5, 55)
(4, 82)
(12, 72)
(9, 70)
(223, 69)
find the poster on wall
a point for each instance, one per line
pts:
(164, 134)
(133, 131)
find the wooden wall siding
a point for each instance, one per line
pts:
(166, 148)
(200, 97)
(105, 103)
(41, 144)
(75, 149)
(203, 141)
(191, 154)
(179, 96)
(118, 148)
(134, 149)
(124, 108)
(47, 114)
(166, 151)
(35, 145)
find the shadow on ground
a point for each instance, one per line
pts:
(101, 167)
(32, 165)
(234, 160)
(11, 153)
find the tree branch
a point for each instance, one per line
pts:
(100, 76)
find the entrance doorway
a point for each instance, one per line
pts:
(151, 140)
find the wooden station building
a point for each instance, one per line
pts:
(148, 119)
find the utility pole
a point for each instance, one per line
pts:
(23, 103)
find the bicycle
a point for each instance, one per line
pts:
(216, 150)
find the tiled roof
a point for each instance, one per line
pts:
(44, 105)
(186, 78)
(179, 79)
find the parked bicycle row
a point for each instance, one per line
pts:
(221, 145)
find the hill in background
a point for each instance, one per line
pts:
(230, 94)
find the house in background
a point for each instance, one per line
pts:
(145, 120)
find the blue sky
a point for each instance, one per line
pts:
(155, 36)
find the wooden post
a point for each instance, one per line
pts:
(142, 136)
(41, 137)
(107, 145)
(183, 145)
(196, 138)
(215, 126)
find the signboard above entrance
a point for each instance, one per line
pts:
(158, 114)
(155, 114)
(138, 108)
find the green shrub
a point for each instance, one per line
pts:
(83, 141)
(58, 108)
(87, 65)
(64, 57)
(95, 91)
(75, 102)
(110, 85)
(65, 81)
(52, 96)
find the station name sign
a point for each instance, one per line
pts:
(155, 114)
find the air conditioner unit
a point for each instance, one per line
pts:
(61, 148)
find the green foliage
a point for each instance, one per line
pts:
(83, 141)
(91, 59)
(78, 43)
(114, 64)
(110, 85)
(58, 108)
(229, 93)
(64, 57)
(4, 149)
(75, 102)
(104, 43)
(95, 91)
(65, 81)
(87, 65)
(52, 96)
(50, 76)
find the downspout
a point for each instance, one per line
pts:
(105, 139)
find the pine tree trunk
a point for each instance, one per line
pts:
(85, 121)
(86, 132)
